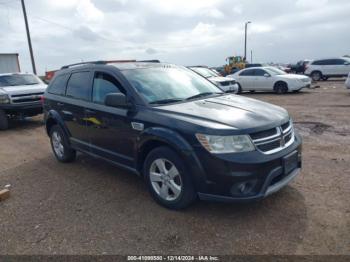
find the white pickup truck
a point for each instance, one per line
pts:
(20, 96)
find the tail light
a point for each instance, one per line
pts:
(42, 100)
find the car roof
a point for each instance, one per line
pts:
(118, 65)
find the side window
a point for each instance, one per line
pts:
(104, 84)
(79, 86)
(259, 72)
(319, 62)
(249, 72)
(58, 86)
(338, 62)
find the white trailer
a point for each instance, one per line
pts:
(9, 63)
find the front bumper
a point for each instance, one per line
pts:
(28, 109)
(260, 174)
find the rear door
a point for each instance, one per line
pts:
(78, 95)
(111, 135)
(246, 79)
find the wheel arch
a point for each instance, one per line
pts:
(156, 137)
(53, 118)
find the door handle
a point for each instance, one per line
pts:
(60, 104)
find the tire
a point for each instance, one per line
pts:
(281, 88)
(4, 122)
(239, 89)
(60, 146)
(325, 78)
(316, 76)
(178, 190)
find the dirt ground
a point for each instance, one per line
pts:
(92, 207)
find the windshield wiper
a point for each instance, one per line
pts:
(29, 84)
(202, 94)
(166, 101)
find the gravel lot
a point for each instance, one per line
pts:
(92, 207)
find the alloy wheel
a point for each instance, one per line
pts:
(165, 179)
(57, 144)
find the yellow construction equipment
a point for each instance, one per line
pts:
(234, 63)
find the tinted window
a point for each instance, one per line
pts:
(58, 86)
(249, 72)
(79, 86)
(259, 72)
(319, 62)
(104, 84)
(337, 62)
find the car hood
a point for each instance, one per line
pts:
(231, 111)
(25, 89)
(293, 76)
(220, 79)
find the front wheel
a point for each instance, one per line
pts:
(168, 180)
(4, 122)
(60, 146)
(281, 88)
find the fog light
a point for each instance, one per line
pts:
(243, 188)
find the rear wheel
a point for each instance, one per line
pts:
(281, 88)
(60, 146)
(168, 180)
(316, 75)
(4, 122)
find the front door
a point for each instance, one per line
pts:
(111, 135)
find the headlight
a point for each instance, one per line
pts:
(226, 144)
(4, 99)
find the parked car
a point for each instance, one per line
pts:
(224, 83)
(347, 82)
(20, 96)
(299, 67)
(322, 69)
(270, 79)
(181, 133)
(255, 65)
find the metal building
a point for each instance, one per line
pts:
(9, 63)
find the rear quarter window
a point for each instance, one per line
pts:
(58, 85)
(79, 86)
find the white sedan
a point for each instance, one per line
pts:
(270, 79)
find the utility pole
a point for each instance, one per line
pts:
(245, 39)
(28, 37)
(251, 56)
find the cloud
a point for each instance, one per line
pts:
(86, 10)
(151, 51)
(86, 33)
(177, 31)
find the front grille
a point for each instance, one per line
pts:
(26, 98)
(275, 139)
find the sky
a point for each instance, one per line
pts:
(186, 32)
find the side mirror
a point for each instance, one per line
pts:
(117, 100)
(266, 75)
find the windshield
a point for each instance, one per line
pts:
(275, 71)
(169, 84)
(18, 80)
(204, 72)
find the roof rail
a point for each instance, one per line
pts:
(83, 63)
(101, 62)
